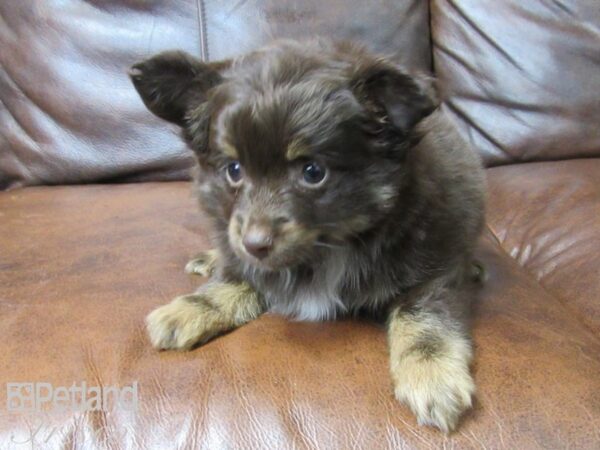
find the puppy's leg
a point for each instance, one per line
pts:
(194, 319)
(430, 351)
(203, 264)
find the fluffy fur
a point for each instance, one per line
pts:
(389, 230)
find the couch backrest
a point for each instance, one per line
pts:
(524, 75)
(522, 78)
(68, 112)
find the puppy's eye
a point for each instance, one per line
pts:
(234, 173)
(313, 174)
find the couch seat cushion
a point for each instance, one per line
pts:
(552, 228)
(80, 267)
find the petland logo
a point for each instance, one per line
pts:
(41, 396)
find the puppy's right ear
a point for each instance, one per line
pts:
(172, 83)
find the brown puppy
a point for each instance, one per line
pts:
(334, 185)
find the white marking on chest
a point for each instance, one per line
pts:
(318, 299)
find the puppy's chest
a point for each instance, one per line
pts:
(336, 286)
(315, 298)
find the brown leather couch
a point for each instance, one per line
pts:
(83, 258)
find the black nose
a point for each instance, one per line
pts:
(258, 241)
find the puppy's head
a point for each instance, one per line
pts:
(302, 147)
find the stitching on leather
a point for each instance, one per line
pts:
(201, 12)
(564, 302)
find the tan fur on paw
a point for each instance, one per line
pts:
(430, 368)
(196, 318)
(183, 323)
(437, 392)
(203, 264)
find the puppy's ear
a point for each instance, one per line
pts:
(171, 83)
(392, 97)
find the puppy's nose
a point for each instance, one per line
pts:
(258, 240)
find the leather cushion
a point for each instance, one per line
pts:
(552, 228)
(399, 28)
(69, 113)
(523, 76)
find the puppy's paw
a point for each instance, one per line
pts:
(204, 264)
(437, 391)
(186, 321)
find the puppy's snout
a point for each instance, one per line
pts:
(258, 240)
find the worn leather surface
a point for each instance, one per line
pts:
(69, 113)
(81, 266)
(547, 216)
(522, 76)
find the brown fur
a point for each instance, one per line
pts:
(387, 225)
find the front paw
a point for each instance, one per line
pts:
(437, 391)
(186, 321)
(203, 264)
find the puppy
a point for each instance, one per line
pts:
(335, 185)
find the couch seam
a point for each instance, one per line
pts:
(430, 23)
(202, 35)
(530, 275)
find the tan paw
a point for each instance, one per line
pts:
(186, 321)
(204, 264)
(437, 391)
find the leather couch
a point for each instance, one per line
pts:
(97, 222)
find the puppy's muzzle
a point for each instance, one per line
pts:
(258, 239)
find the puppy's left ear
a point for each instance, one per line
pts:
(392, 97)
